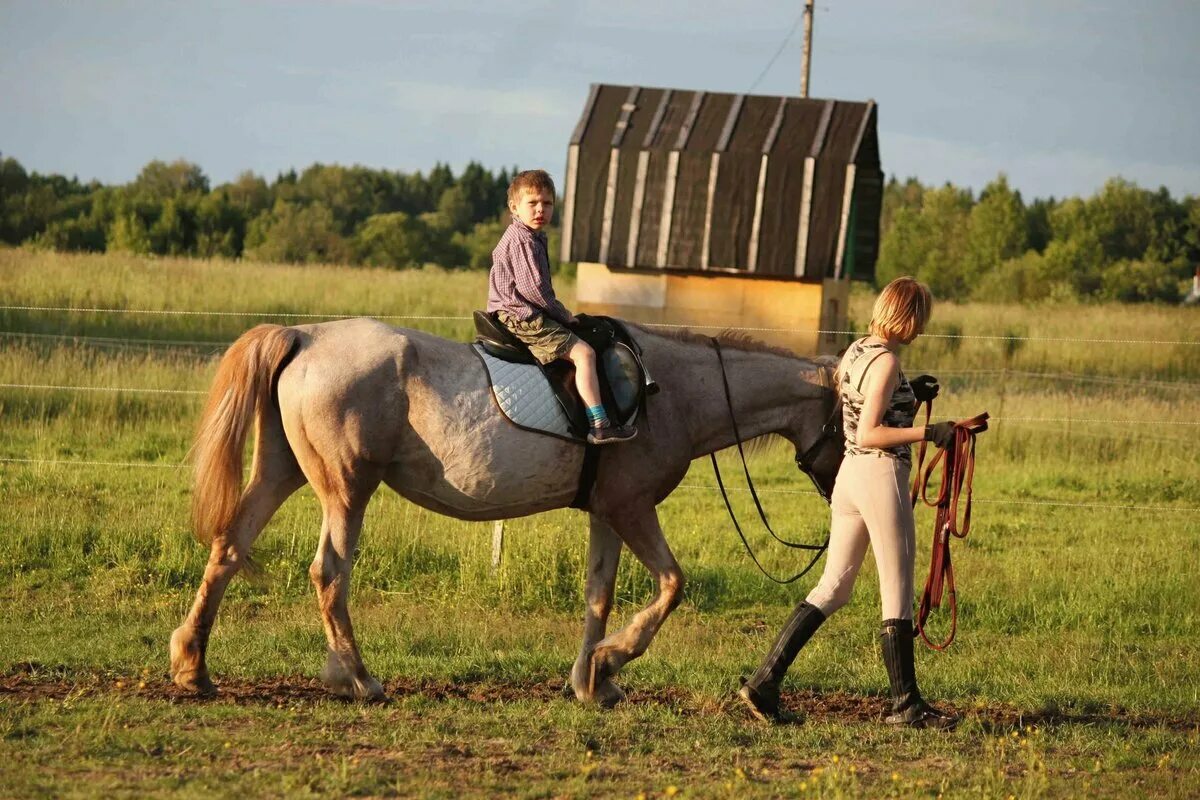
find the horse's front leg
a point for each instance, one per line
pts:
(604, 553)
(639, 529)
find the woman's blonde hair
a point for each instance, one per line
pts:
(902, 309)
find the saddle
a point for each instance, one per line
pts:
(624, 384)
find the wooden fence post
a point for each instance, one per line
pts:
(497, 543)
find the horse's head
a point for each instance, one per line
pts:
(818, 437)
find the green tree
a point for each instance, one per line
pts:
(1139, 281)
(348, 192)
(1122, 217)
(173, 233)
(220, 226)
(897, 196)
(82, 233)
(996, 230)
(454, 210)
(249, 193)
(930, 244)
(292, 233)
(128, 234)
(1020, 279)
(159, 180)
(1037, 223)
(478, 244)
(393, 240)
(441, 178)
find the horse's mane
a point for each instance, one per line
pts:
(736, 340)
(741, 340)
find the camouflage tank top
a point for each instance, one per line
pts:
(900, 410)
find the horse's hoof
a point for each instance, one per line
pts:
(608, 694)
(600, 669)
(369, 691)
(195, 683)
(349, 686)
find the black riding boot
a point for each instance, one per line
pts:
(761, 691)
(908, 708)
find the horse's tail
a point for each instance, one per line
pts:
(242, 386)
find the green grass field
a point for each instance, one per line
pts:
(1076, 663)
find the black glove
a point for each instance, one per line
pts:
(925, 387)
(940, 433)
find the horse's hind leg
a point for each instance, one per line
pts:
(344, 672)
(275, 476)
(640, 531)
(604, 553)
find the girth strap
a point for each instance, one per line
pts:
(958, 472)
(587, 476)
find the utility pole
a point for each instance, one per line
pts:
(806, 63)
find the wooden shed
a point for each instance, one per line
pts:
(705, 208)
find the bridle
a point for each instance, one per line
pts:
(831, 432)
(958, 472)
(804, 460)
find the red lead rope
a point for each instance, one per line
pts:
(958, 471)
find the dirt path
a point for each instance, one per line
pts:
(30, 682)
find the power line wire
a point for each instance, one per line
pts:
(782, 46)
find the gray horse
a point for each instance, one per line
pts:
(347, 405)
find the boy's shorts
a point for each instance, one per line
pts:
(548, 339)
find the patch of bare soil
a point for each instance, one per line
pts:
(28, 682)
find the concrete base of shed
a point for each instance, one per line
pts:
(709, 303)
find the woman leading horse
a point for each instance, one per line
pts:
(871, 505)
(346, 406)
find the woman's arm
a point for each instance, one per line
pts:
(882, 378)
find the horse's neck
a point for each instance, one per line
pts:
(764, 388)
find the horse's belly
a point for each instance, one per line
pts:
(469, 462)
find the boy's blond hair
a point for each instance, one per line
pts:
(902, 309)
(537, 180)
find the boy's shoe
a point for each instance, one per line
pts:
(611, 434)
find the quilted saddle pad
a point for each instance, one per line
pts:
(524, 396)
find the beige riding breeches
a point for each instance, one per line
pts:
(870, 505)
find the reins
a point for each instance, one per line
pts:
(958, 473)
(819, 549)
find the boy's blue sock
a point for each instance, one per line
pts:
(597, 416)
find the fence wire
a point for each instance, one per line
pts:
(148, 343)
(197, 392)
(455, 318)
(688, 486)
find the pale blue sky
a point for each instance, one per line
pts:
(1060, 94)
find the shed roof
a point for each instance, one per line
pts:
(702, 181)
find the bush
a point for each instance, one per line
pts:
(81, 233)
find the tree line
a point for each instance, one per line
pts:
(327, 214)
(1123, 243)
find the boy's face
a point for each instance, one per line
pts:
(534, 207)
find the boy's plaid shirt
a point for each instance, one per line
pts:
(519, 281)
